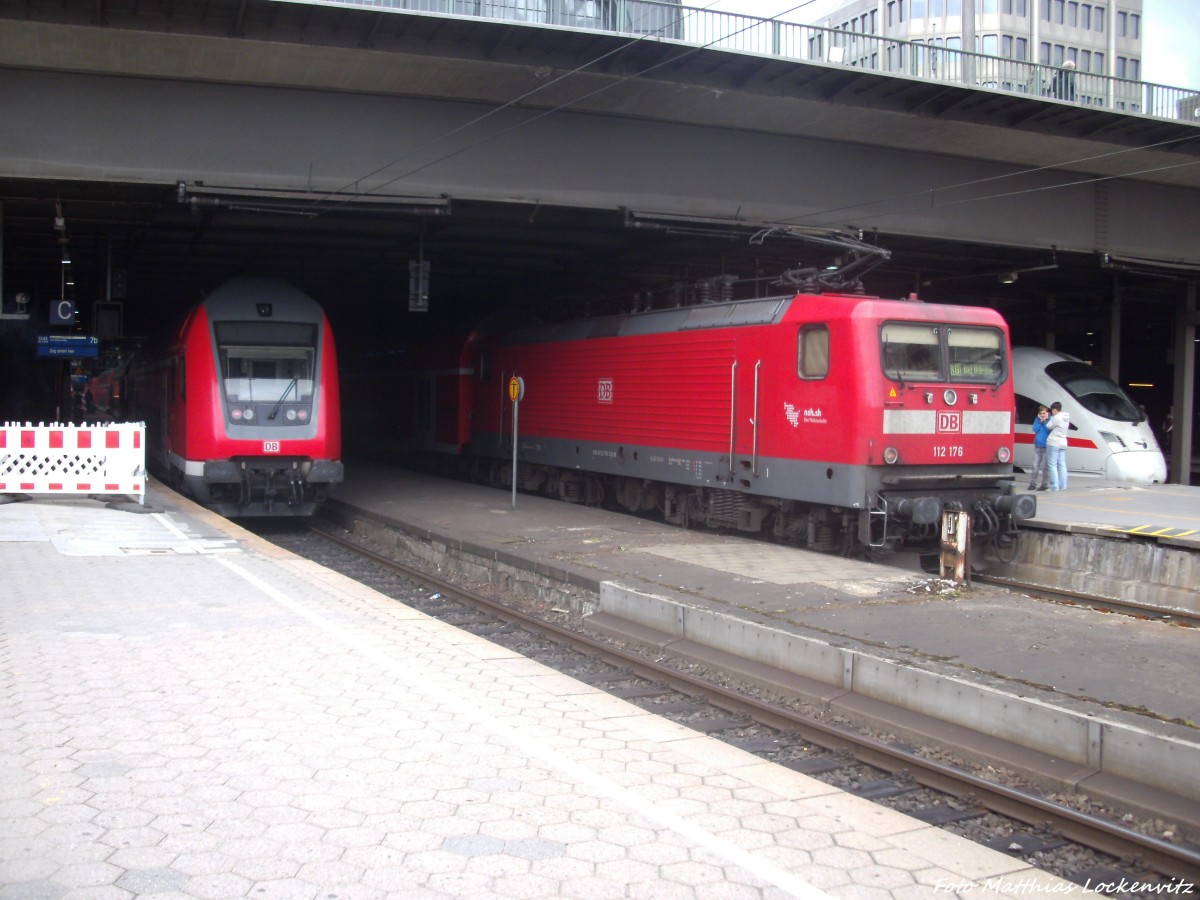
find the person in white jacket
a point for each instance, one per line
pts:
(1056, 446)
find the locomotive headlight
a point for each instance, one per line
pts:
(248, 414)
(291, 415)
(235, 414)
(950, 396)
(1004, 454)
(303, 415)
(1115, 444)
(891, 456)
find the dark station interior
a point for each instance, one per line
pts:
(142, 254)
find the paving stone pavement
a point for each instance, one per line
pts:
(219, 719)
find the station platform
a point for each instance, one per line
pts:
(187, 711)
(1104, 703)
(1169, 513)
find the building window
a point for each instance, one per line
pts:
(936, 9)
(1098, 62)
(1135, 26)
(985, 6)
(891, 18)
(1072, 13)
(1122, 19)
(990, 45)
(1006, 46)
(1019, 8)
(1120, 72)
(916, 9)
(954, 7)
(1044, 54)
(1085, 16)
(1022, 49)
(1085, 60)
(1046, 12)
(1060, 53)
(1059, 11)
(1135, 70)
(1098, 18)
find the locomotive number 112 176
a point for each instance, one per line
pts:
(943, 451)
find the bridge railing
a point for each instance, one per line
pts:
(664, 20)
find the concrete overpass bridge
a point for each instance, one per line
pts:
(602, 156)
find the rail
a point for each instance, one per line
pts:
(1118, 838)
(734, 32)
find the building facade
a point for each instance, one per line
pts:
(1090, 37)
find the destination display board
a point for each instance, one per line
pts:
(68, 345)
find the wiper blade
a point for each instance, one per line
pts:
(278, 403)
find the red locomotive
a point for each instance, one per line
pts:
(241, 401)
(823, 419)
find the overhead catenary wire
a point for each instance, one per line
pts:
(1033, 170)
(337, 198)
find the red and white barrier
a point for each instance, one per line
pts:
(73, 459)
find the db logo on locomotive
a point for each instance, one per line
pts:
(949, 422)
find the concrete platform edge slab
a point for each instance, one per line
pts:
(1087, 742)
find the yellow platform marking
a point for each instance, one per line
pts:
(1142, 531)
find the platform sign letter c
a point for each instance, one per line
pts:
(62, 312)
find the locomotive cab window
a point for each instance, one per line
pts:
(976, 354)
(813, 352)
(942, 352)
(267, 362)
(911, 352)
(1095, 391)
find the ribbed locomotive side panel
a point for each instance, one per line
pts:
(661, 390)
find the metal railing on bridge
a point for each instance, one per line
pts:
(655, 20)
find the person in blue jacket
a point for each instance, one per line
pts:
(1041, 431)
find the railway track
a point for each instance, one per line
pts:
(1063, 835)
(1180, 617)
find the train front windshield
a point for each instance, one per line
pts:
(267, 362)
(1096, 392)
(923, 352)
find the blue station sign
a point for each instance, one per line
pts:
(68, 345)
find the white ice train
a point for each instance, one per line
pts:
(1109, 436)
